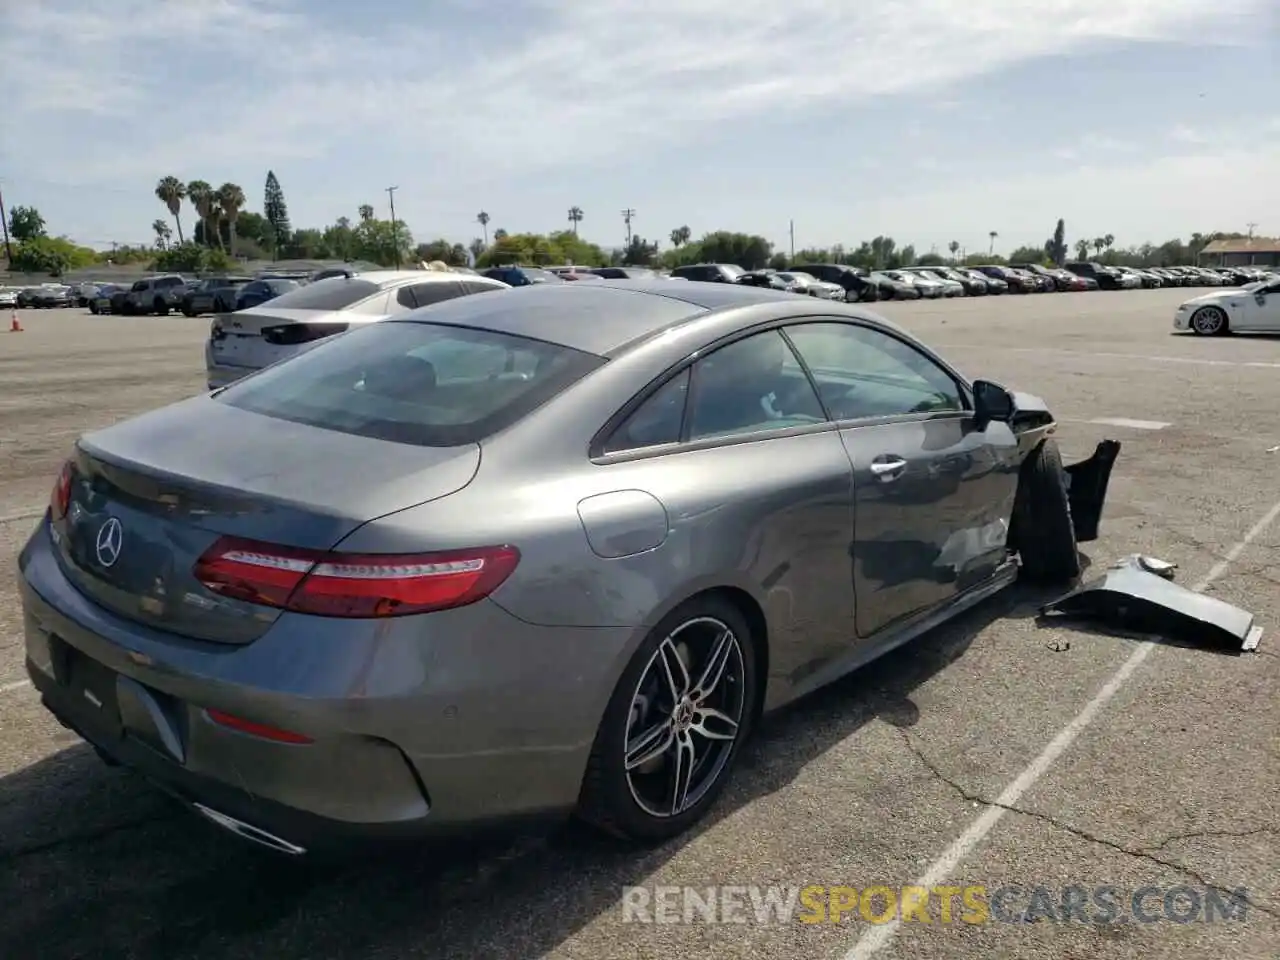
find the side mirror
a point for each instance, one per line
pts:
(991, 402)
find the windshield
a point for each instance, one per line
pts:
(540, 276)
(424, 384)
(732, 269)
(332, 294)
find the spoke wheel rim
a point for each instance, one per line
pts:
(1209, 319)
(686, 717)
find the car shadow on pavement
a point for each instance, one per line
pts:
(94, 862)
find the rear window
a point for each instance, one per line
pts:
(410, 382)
(335, 293)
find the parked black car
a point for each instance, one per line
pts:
(514, 275)
(1017, 282)
(212, 295)
(257, 292)
(709, 272)
(1104, 278)
(1059, 283)
(109, 299)
(856, 281)
(768, 279)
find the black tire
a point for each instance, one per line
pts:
(160, 307)
(608, 800)
(1041, 528)
(1210, 321)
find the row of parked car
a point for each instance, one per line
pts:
(843, 282)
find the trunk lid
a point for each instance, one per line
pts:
(261, 336)
(150, 495)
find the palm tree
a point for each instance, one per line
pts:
(954, 247)
(575, 218)
(1099, 244)
(499, 234)
(231, 201)
(1109, 240)
(482, 218)
(477, 247)
(992, 249)
(366, 213)
(171, 192)
(1082, 249)
(163, 233)
(680, 236)
(200, 193)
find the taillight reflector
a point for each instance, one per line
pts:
(60, 499)
(352, 585)
(265, 731)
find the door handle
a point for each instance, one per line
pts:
(887, 469)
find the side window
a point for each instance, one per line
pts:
(656, 421)
(474, 286)
(138, 287)
(425, 294)
(862, 372)
(753, 384)
(376, 306)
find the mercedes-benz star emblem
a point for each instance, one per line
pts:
(110, 539)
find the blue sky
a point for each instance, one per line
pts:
(927, 120)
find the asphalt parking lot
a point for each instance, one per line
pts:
(994, 752)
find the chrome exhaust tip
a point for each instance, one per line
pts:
(249, 832)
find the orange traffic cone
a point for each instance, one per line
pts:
(15, 325)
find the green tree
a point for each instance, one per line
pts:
(680, 236)
(231, 200)
(1056, 248)
(25, 223)
(749, 251)
(1082, 249)
(454, 254)
(482, 218)
(476, 247)
(381, 242)
(163, 233)
(575, 218)
(640, 252)
(192, 258)
(171, 191)
(309, 244)
(499, 234)
(200, 196)
(51, 255)
(929, 260)
(954, 247)
(1099, 244)
(276, 212)
(365, 212)
(1027, 255)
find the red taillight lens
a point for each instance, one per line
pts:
(263, 730)
(349, 584)
(60, 499)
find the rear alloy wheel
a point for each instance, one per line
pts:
(1042, 528)
(673, 727)
(1210, 322)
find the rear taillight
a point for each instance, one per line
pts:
(290, 334)
(349, 584)
(60, 499)
(216, 332)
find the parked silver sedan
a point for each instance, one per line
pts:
(247, 340)
(545, 550)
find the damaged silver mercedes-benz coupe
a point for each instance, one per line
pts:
(544, 551)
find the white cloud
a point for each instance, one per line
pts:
(584, 81)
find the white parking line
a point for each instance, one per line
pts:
(876, 938)
(1131, 424)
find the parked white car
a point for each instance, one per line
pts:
(243, 342)
(808, 284)
(1254, 308)
(927, 287)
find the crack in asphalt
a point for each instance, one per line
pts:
(1141, 853)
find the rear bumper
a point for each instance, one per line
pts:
(421, 727)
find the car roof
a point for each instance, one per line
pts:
(598, 318)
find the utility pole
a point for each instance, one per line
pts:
(627, 214)
(395, 232)
(792, 230)
(4, 221)
(1250, 226)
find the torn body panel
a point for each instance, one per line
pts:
(1087, 489)
(1138, 594)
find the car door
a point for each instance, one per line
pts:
(1258, 310)
(932, 488)
(756, 486)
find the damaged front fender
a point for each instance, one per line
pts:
(1138, 595)
(1087, 489)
